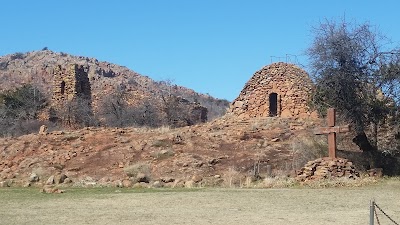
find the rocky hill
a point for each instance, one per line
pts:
(106, 79)
(228, 150)
(224, 151)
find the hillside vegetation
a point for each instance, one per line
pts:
(120, 96)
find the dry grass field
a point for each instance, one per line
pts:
(200, 206)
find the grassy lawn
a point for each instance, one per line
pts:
(199, 206)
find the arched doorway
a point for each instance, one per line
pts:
(273, 104)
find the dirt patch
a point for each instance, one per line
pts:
(208, 150)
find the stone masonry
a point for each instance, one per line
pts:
(280, 89)
(69, 83)
(71, 88)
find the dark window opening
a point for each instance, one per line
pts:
(273, 104)
(62, 87)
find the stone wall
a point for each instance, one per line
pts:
(70, 82)
(71, 101)
(325, 168)
(280, 89)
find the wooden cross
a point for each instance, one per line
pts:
(332, 130)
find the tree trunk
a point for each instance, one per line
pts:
(374, 126)
(361, 140)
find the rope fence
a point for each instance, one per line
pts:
(374, 214)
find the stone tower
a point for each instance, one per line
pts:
(71, 92)
(280, 89)
(69, 83)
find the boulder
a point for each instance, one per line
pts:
(190, 184)
(157, 184)
(197, 178)
(62, 178)
(167, 179)
(141, 177)
(67, 180)
(51, 190)
(33, 178)
(50, 180)
(126, 183)
(4, 184)
(43, 130)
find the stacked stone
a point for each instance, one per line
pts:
(82, 83)
(323, 168)
(68, 83)
(291, 84)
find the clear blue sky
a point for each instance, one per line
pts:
(211, 46)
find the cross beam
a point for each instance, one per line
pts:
(331, 130)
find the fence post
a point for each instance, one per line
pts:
(371, 212)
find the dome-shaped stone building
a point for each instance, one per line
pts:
(280, 89)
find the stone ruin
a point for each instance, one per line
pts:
(280, 89)
(70, 84)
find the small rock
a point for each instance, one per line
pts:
(126, 183)
(189, 184)
(238, 104)
(118, 184)
(33, 177)
(217, 176)
(275, 140)
(167, 179)
(178, 184)
(43, 130)
(141, 177)
(104, 180)
(51, 180)
(58, 132)
(67, 180)
(4, 184)
(157, 184)
(164, 152)
(213, 161)
(62, 178)
(197, 178)
(51, 190)
(141, 185)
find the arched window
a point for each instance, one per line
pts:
(62, 87)
(273, 104)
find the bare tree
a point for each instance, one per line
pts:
(113, 109)
(346, 62)
(19, 110)
(76, 113)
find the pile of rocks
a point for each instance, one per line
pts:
(284, 87)
(323, 168)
